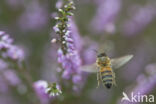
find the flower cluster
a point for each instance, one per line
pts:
(34, 17)
(143, 79)
(144, 83)
(8, 50)
(61, 28)
(45, 91)
(67, 55)
(71, 60)
(105, 16)
(8, 77)
(71, 45)
(140, 17)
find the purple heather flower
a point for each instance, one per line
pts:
(71, 61)
(3, 65)
(11, 77)
(145, 84)
(150, 69)
(8, 50)
(15, 53)
(88, 55)
(141, 18)
(77, 79)
(40, 88)
(139, 61)
(104, 19)
(46, 91)
(34, 17)
(3, 85)
(78, 41)
(56, 29)
(142, 87)
(71, 45)
(59, 4)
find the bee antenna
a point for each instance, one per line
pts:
(95, 51)
(104, 54)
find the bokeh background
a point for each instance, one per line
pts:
(119, 27)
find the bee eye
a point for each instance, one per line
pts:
(102, 55)
(99, 56)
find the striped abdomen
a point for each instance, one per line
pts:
(107, 76)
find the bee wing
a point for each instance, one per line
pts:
(89, 68)
(118, 62)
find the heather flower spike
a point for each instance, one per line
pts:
(70, 44)
(13, 56)
(8, 50)
(105, 17)
(144, 84)
(141, 18)
(61, 27)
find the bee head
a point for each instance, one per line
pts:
(102, 58)
(102, 55)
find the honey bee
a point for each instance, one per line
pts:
(105, 66)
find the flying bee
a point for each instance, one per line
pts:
(105, 66)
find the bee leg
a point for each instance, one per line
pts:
(114, 82)
(98, 79)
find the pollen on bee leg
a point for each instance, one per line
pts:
(98, 84)
(114, 83)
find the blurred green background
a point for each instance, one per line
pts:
(35, 39)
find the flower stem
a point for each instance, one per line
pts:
(24, 72)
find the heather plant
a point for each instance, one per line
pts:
(45, 44)
(68, 55)
(12, 59)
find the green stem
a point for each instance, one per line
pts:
(23, 70)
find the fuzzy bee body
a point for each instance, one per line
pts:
(104, 67)
(105, 74)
